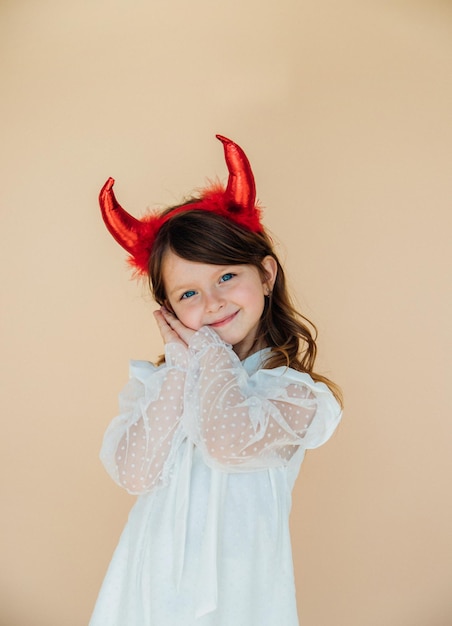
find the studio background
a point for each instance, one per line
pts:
(344, 109)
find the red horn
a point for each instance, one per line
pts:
(123, 227)
(241, 188)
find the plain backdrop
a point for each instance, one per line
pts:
(344, 109)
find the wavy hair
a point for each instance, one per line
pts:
(206, 237)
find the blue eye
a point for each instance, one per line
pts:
(226, 277)
(187, 294)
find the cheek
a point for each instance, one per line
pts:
(188, 316)
(252, 296)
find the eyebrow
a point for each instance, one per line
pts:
(182, 289)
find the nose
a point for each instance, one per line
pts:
(214, 302)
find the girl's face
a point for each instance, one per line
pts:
(228, 298)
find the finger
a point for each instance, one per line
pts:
(167, 313)
(171, 319)
(184, 332)
(167, 333)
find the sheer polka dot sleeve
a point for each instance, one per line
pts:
(243, 422)
(140, 444)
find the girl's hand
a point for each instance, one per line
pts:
(171, 329)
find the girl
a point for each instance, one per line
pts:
(212, 438)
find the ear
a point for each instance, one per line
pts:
(271, 270)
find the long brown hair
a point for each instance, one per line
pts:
(205, 237)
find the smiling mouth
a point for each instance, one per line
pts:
(223, 321)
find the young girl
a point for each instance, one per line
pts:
(211, 439)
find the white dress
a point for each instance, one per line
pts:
(212, 446)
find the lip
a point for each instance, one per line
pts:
(224, 321)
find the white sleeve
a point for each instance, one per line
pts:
(140, 444)
(243, 422)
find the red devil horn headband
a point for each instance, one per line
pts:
(236, 202)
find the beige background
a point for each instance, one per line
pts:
(345, 111)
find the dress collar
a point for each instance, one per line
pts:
(255, 361)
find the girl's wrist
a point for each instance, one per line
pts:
(176, 355)
(203, 338)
